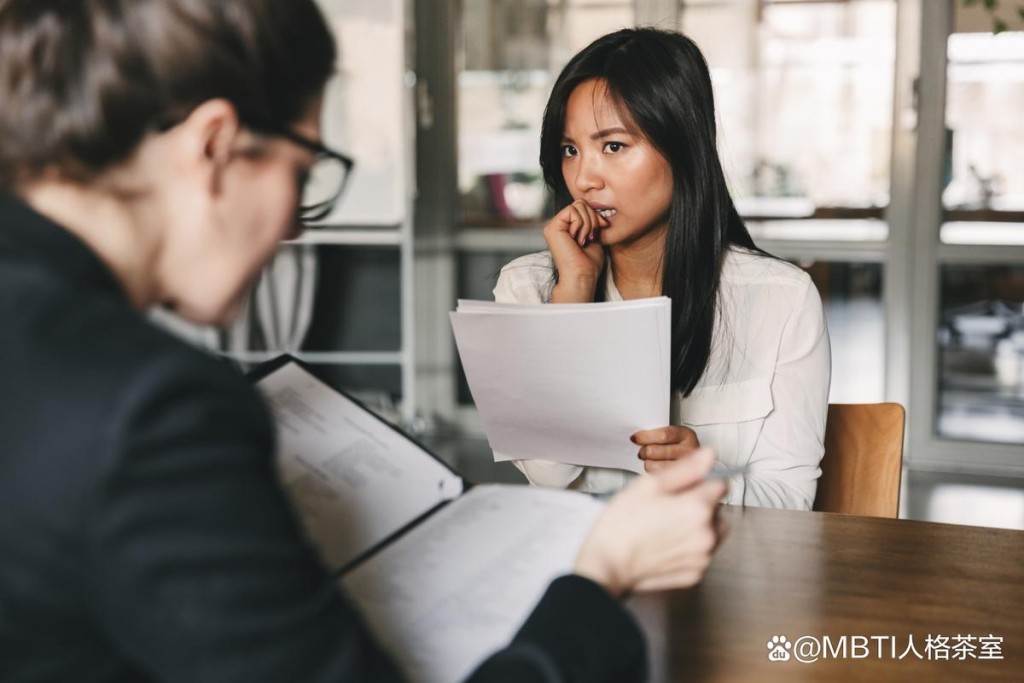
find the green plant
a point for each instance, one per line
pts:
(998, 25)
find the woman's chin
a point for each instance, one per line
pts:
(213, 316)
(228, 315)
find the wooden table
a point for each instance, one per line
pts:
(795, 574)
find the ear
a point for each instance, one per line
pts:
(206, 139)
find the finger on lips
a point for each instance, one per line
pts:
(590, 222)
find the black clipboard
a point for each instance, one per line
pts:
(266, 368)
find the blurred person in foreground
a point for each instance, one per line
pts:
(154, 152)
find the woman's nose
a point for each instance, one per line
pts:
(588, 175)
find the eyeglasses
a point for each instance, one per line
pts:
(326, 180)
(327, 177)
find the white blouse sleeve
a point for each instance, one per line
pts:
(522, 283)
(784, 465)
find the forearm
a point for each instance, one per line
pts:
(769, 490)
(577, 633)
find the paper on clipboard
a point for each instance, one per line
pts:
(567, 382)
(443, 578)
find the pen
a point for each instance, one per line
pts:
(720, 471)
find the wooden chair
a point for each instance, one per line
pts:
(860, 471)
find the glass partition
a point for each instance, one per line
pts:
(512, 50)
(981, 353)
(804, 92)
(983, 191)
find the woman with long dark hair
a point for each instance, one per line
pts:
(155, 152)
(628, 147)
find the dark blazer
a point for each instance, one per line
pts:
(143, 533)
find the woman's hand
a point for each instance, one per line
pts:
(659, 532)
(572, 237)
(660, 447)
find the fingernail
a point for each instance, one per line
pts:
(632, 437)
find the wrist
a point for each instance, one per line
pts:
(591, 567)
(577, 289)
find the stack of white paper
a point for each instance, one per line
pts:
(567, 382)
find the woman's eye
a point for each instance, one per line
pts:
(613, 147)
(568, 151)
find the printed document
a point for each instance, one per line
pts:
(353, 478)
(567, 382)
(443, 578)
(458, 586)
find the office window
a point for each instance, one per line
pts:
(512, 51)
(981, 353)
(358, 300)
(804, 94)
(851, 295)
(983, 184)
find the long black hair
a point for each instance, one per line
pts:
(660, 79)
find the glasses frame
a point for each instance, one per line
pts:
(306, 213)
(323, 209)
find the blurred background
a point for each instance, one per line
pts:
(878, 144)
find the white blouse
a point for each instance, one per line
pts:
(761, 402)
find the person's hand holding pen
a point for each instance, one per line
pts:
(660, 447)
(572, 238)
(659, 532)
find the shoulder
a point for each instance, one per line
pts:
(121, 348)
(763, 275)
(120, 381)
(104, 397)
(761, 294)
(527, 279)
(745, 268)
(529, 266)
(169, 387)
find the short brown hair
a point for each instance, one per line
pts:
(83, 81)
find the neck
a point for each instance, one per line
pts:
(111, 226)
(637, 265)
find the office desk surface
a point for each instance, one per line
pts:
(878, 582)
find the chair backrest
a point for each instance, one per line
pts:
(863, 461)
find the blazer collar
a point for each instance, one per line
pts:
(26, 234)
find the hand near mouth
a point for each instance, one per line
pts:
(573, 236)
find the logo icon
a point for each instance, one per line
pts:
(778, 649)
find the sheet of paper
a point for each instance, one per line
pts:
(354, 479)
(567, 382)
(458, 586)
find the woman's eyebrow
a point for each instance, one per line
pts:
(609, 131)
(600, 134)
